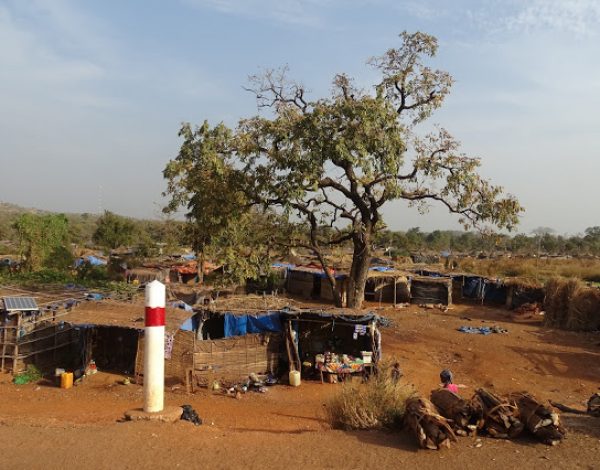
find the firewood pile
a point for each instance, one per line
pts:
(464, 418)
(430, 428)
(538, 418)
(500, 417)
(436, 423)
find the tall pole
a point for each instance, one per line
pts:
(154, 347)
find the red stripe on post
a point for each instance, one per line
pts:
(155, 316)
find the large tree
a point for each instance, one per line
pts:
(43, 239)
(336, 161)
(114, 231)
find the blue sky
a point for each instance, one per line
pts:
(92, 93)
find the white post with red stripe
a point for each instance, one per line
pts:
(154, 347)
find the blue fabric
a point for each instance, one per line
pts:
(190, 256)
(264, 323)
(91, 260)
(191, 324)
(473, 287)
(182, 305)
(239, 325)
(484, 330)
(381, 269)
(283, 265)
(235, 325)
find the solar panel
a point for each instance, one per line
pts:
(20, 304)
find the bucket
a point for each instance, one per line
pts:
(294, 378)
(367, 357)
(66, 380)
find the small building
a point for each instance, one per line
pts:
(240, 336)
(30, 334)
(431, 290)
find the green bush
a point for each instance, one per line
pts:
(31, 374)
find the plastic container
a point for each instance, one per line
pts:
(294, 378)
(367, 357)
(66, 380)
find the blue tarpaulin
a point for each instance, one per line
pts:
(381, 269)
(283, 265)
(91, 260)
(182, 305)
(239, 325)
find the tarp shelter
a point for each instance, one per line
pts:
(431, 290)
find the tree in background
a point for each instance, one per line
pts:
(113, 231)
(43, 240)
(336, 161)
(220, 221)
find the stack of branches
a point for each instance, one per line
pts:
(571, 305)
(500, 418)
(465, 418)
(539, 419)
(432, 430)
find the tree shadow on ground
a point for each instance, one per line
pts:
(576, 365)
(395, 439)
(582, 424)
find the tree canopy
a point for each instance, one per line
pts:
(336, 161)
(113, 231)
(42, 240)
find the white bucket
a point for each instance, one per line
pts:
(294, 378)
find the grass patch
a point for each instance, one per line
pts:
(376, 404)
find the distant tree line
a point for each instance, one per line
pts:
(541, 241)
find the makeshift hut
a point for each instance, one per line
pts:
(305, 281)
(482, 289)
(146, 274)
(520, 292)
(233, 338)
(331, 341)
(31, 334)
(225, 341)
(310, 282)
(385, 284)
(431, 290)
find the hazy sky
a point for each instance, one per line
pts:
(92, 92)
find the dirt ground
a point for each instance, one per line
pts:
(45, 427)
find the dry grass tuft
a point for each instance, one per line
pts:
(378, 403)
(571, 305)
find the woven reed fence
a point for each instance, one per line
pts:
(570, 305)
(226, 360)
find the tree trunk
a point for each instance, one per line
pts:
(201, 265)
(361, 260)
(336, 293)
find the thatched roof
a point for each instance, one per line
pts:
(249, 304)
(121, 314)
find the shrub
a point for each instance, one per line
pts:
(31, 374)
(376, 404)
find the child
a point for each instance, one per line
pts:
(396, 372)
(446, 378)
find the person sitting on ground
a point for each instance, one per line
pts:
(446, 378)
(396, 372)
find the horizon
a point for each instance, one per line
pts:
(94, 94)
